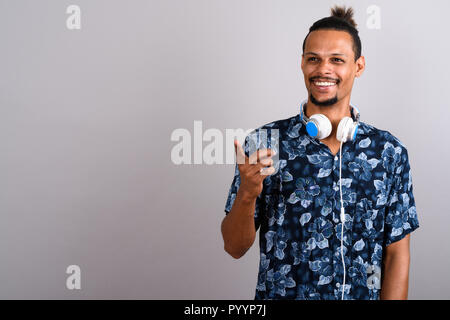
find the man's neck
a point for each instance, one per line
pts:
(334, 113)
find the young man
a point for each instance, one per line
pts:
(335, 212)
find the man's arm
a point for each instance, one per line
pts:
(238, 227)
(394, 285)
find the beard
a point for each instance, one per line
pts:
(325, 103)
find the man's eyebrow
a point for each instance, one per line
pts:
(332, 54)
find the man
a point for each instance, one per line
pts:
(331, 226)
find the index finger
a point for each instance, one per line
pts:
(240, 154)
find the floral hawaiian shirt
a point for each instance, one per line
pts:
(298, 211)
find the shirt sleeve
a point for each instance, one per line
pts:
(401, 216)
(234, 189)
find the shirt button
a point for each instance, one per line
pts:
(335, 158)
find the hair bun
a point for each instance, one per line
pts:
(344, 13)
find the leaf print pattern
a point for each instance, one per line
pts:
(278, 280)
(362, 167)
(298, 212)
(305, 192)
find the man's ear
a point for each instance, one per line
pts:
(360, 66)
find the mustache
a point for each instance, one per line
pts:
(324, 79)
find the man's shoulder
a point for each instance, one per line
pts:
(276, 128)
(269, 134)
(383, 137)
(281, 124)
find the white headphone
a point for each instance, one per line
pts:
(319, 126)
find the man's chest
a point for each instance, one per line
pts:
(310, 179)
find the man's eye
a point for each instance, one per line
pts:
(311, 59)
(338, 60)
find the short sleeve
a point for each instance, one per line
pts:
(235, 187)
(401, 216)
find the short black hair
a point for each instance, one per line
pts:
(341, 19)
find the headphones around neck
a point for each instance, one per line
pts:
(319, 126)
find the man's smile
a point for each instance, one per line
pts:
(324, 85)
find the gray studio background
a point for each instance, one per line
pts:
(86, 117)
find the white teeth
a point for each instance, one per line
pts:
(324, 84)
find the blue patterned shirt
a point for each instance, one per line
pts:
(298, 212)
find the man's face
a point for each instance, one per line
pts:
(329, 66)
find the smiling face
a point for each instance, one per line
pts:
(329, 67)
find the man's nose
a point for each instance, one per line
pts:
(324, 67)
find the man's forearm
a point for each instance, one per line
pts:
(238, 227)
(395, 277)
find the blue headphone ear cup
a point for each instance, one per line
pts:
(355, 130)
(318, 126)
(312, 129)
